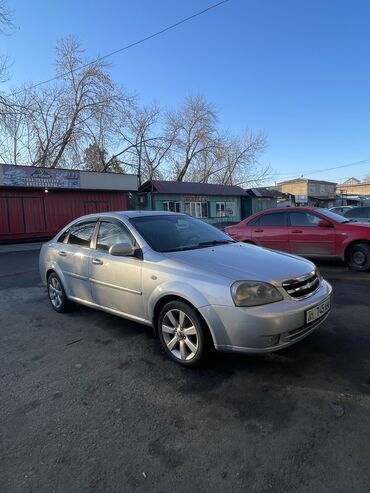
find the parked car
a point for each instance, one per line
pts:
(341, 209)
(360, 214)
(312, 232)
(195, 285)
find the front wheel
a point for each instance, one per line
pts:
(182, 333)
(57, 295)
(359, 257)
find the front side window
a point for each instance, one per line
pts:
(197, 209)
(303, 219)
(111, 233)
(220, 209)
(273, 219)
(81, 234)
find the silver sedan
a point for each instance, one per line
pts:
(195, 286)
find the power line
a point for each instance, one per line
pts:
(314, 171)
(127, 47)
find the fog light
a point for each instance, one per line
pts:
(271, 340)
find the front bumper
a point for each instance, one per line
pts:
(264, 328)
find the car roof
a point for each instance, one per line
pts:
(287, 209)
(129, 214)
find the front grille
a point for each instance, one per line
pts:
(303, 286)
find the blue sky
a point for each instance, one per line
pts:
(299, 70)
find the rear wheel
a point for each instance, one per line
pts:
(57, 295)
(359, 257)
(182, 333)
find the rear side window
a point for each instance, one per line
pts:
(62, 238)
(360, 212)
(81, 234)
(254, 221)
(273, 219)
(111, 233)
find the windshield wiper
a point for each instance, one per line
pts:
(203, 244)
(215, 242)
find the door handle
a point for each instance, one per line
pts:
(258, 230)
(97, 261)
(62, 254)
(297, 231)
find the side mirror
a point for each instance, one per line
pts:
(324, 224)
(122, 250)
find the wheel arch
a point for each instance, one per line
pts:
(161, 302)
(350, 245)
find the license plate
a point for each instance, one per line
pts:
(317, 311)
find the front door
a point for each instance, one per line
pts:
(115, 281)
(306, 237)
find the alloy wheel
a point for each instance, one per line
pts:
(180, 335)
(55, 292)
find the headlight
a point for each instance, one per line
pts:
(254, 293)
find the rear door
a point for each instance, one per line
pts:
(73, 259)
(306, 237)
(270, 231)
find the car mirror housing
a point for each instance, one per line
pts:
(122, 250)
(324, 224)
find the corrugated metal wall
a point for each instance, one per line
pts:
(26, 214)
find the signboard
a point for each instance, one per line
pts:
(230, 208)
(331, 195)
(195, 198)
(301, 199)
(27, 176)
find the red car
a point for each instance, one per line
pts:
(309, 232)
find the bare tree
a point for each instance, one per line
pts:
(15, 137)
(238, 159)
(6, 26)
(57, 118)
(86, 91)
(194, 129)
(151, 144)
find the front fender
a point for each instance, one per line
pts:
(176, 288)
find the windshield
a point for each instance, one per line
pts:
(333, 215)
(171, 233)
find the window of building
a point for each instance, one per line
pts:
(111, 233)
(171, 206)
(81, 233)
(197, 209)
(220, 209)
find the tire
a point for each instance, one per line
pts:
(183, 335)
(359, 257)
(57, 296)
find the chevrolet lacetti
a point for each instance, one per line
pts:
(197, 287)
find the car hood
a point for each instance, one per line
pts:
(240, 261)
(360, 223)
